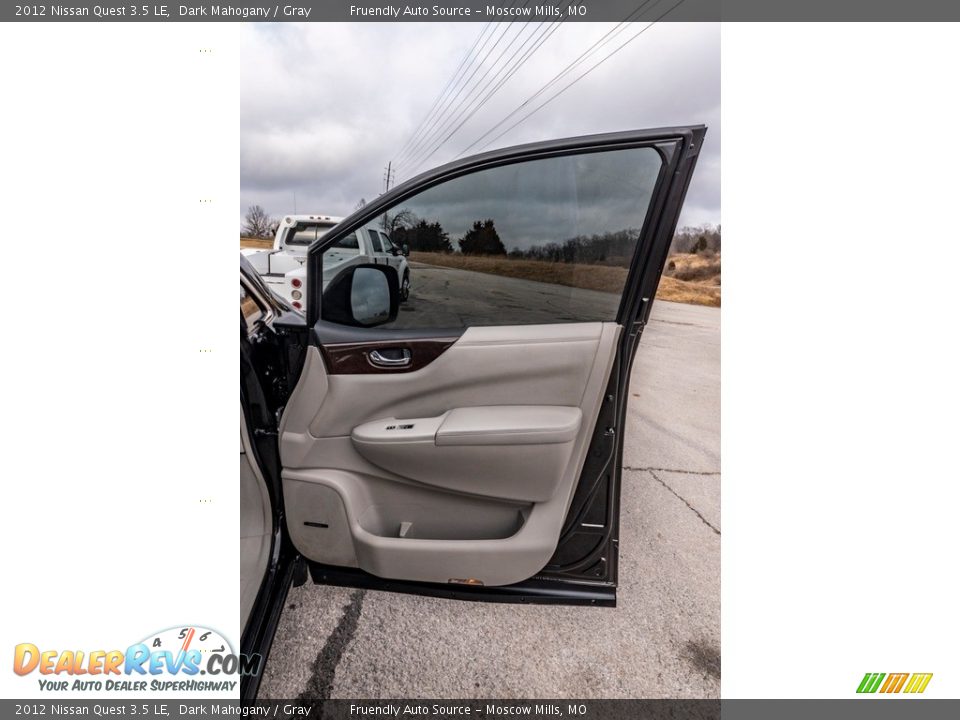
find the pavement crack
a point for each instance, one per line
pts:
(320, 683)
(673, 470)
(683, 500)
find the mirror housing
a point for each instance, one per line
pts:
(364, 295)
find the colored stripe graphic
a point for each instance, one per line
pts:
(870, 682)
(894, 682)
(918, 682)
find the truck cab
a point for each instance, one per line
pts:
(283, 268)
(290, 244)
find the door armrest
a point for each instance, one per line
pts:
(509, 425)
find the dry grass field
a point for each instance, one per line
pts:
(687, 278)
(692, 279)
(256, 243)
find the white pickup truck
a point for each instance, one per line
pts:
(283, 267)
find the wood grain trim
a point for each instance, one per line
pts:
(353, 358)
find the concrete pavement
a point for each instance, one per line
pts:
(663, 639)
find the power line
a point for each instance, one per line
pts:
(445, 90)
(509, 71)
(447, 104)
(453, 106)
(472, 104)
(590, 70)
(603, 40)
(455, 103)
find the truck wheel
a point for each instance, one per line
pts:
(405, 287)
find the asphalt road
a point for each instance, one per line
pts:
(663, 638)
(446, 297)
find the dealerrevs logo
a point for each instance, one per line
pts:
(180, 659)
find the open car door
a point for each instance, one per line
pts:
(468, 443)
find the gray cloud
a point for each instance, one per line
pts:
(325, 106)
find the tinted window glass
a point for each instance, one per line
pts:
(542, 241)
(348, 242)
(306, 233)
(375, 240)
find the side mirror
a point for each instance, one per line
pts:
(405, 250)
(362, 296)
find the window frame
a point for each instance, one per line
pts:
(674, 145)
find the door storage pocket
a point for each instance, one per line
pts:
(482, 521)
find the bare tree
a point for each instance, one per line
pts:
(360, 203)
(400, 219)
(273, 227)
(696, 239)
(256, 223)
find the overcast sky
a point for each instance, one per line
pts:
(325, 106)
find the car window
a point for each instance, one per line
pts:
(375, 240)
(306, 233)
(540, 241)
(385, 242)
(348, 242)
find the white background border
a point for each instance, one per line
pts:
(840, 487)
(840, 357)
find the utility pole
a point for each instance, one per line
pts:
(388, 176)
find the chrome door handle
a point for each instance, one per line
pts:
(377, 358)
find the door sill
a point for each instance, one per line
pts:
(530, 592)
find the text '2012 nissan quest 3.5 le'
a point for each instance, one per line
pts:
(469, 444)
